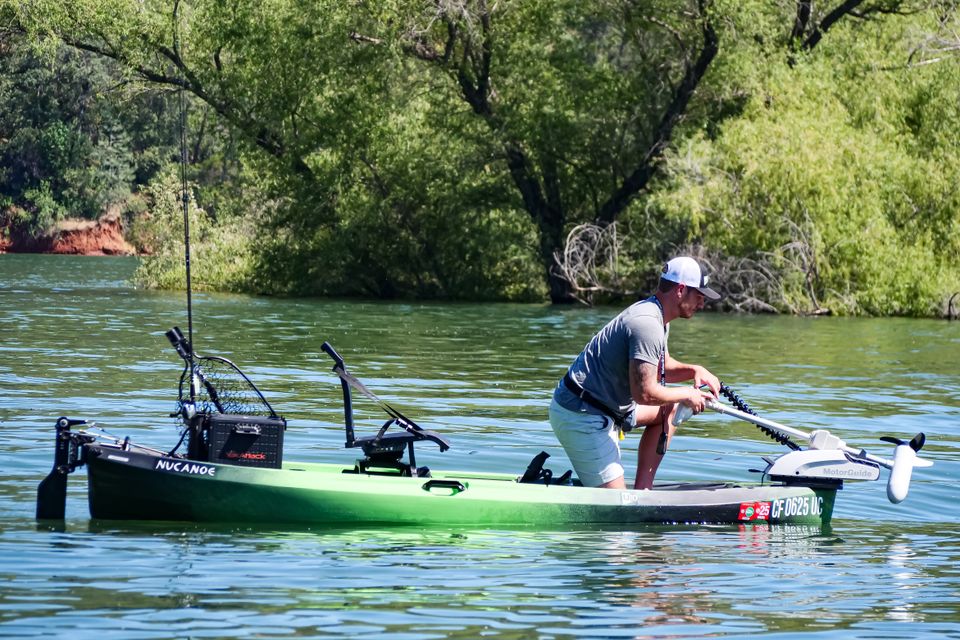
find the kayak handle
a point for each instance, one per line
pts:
(456, 485)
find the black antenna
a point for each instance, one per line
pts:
(184, 196)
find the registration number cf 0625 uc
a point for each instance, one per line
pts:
(799, 506)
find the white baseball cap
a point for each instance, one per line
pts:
(686, 271)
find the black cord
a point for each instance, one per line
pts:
(738, 402)
(172, 453)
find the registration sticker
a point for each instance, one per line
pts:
(750, 511)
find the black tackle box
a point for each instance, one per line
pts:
(249, 441)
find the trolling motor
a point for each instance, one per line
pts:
(829, 458)
(68, 455)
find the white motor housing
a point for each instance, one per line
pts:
(821, 464)
(904, 460)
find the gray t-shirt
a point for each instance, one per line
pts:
(603, 367)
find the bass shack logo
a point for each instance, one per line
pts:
(751, 511)
(246, 455)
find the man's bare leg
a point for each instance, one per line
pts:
(616, 483)
(648, 460)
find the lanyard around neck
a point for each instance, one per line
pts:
(663, 354)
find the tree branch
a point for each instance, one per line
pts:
(359, 37)
(672, 116)
(802, 20)
(848, 8)
(261, 135)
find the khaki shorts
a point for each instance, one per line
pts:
(592, 443)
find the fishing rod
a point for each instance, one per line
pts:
(183, 345)
(185, 203)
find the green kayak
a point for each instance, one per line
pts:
(233, 472)
(125, 484)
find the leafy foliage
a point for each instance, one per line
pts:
(446, 148)
(71, 138)
(220, 253)
(826, 173)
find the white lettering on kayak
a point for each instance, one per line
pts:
(799, 506)
(185, 467)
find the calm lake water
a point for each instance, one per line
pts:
(80, 341)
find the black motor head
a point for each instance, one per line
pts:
(179, 342)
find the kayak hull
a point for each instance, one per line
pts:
(129, 485)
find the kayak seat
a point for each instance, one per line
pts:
(393, 444)
(385, 450)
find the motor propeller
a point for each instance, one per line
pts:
(904, 460)
(916, 443)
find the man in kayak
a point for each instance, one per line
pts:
(618, 382)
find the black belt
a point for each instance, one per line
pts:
(619, 419)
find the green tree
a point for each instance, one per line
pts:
(579, 100)
(571, 112)
(69, 140)
(447, 147)
(840, 176)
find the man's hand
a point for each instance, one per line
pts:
(695, 400)
(703, 377)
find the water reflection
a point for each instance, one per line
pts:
(583, 583)
(670, 577)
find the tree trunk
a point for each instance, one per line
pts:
(547, 213)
